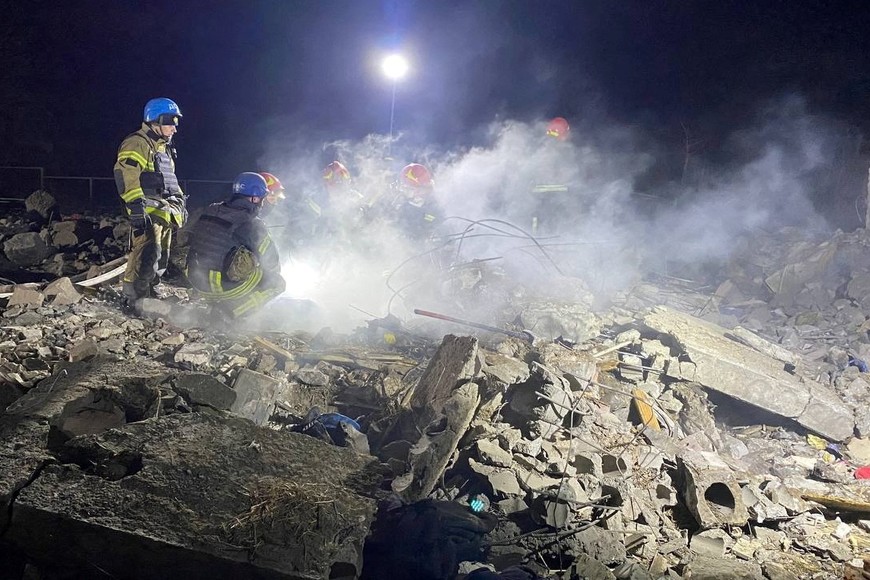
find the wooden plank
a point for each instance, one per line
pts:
(641, 404)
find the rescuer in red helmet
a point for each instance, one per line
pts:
(553, 204)
(558, 129)
(336, 177)
(273, 185)
(414, 208)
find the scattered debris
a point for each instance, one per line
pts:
(687, 430)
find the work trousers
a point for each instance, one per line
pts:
(148, 259)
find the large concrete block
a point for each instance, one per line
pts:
(202, 389)
(255, 395)
(455, 363)
(198, 496)
(432, 452)
(27, 249)
(735, 370)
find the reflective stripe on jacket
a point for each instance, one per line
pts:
(144, 169)
(221, 232)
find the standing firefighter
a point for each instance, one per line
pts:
(555, 206)
(415, 210)
(232, 261)
(145, 176)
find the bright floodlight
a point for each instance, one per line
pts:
(395, 66)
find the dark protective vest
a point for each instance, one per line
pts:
(213, 240)
(164, 166)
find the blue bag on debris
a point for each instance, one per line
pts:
(327, 426)
(857, 362)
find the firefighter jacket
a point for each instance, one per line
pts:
(416, 216)
(145, 170)
(230, 249)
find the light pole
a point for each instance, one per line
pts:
(395, 67)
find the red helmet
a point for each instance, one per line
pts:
(273, 185)
(417, 176)
(558, 128)
(336, 174)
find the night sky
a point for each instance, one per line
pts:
(75, 75)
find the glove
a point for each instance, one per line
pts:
(140, 221)
(179, 205)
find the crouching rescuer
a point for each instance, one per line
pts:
(145, 176)
(232, 261)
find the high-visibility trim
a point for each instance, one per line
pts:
(253, 302)
(137, 157)
(312, 205)
(132, 194)
(237, 292)
(256, 300)
(214, 281)
(429, 217)
(160, 213)
(267, 241)
(549, 188)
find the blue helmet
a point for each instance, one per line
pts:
(250, 184)
(161, 106)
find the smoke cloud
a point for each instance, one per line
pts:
(527, 211)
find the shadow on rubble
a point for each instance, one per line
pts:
(733, 413)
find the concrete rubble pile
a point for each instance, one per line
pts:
(685, 432)
(41, 241)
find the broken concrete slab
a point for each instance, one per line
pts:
(194, 353)
(762, 345)
(491, 453)
(84, 350)
(255, 395)
(63, 291)
(202, 389)
(27, 249)
(591, 569)
(94, 412)
(248, 498)
(805, 262)
(30, 421)
(505, 369)
(246, 494)
(502, 482)
(23, 296)
(712, 543)
(573, 320)
(709, 568)
(432, 452)
(455, 362)
(740, 372)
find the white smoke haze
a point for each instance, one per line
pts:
(773, 188)
(601, 231)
